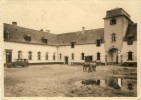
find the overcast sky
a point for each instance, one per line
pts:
(60, 16)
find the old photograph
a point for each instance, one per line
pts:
(70, 48)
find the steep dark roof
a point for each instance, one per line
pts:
(89, 36)
(116, 12)
(131, 32)
(17, 34)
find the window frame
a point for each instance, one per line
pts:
(39, 55)
(130, 55)
(60, 56)
(44, 40)
(72, 44)
(46, 56)
(113, 21)
(54, 57)
(82, 56)
(113, 37)
(19, 54)
(28, 38)
(98, 56)
(30, 55)
(130, 41)
(72, 56)
(98, 42)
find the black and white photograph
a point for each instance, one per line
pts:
(70, 48)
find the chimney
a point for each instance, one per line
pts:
(48, 31)
(83, 30)
(14, 23)
(42, 30)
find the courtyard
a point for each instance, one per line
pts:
(70, 81)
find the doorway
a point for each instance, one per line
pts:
(66, 60)
(8, 56)
(88, 58)
(117, 59)
(113, 55)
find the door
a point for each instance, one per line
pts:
(8, 56)
(88, 58)
(66, 60)
(116, 59)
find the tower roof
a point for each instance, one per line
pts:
(117, 12)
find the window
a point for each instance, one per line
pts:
(27, 37)
(82, 56)
(53, 56)
(44, 40)
(60, 56)
(98, 42)
(130, 55)
(39, 55)
(113, 37)
(20, 54)
(72, 44)
(6, 34)
(46, 56)
(121, 57)
(30, 55)
(8, 55)
(130, 40)
(72, 56)
(112, 21)
(98, 56)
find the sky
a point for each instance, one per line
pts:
(62, 16)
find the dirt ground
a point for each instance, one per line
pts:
(60, 80)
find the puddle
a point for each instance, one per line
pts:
(125, 84)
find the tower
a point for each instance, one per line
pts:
(115, 26)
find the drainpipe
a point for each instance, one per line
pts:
(57, 52)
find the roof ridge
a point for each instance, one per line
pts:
(79, 31)
(30, 29)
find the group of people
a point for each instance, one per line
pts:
(89, 66)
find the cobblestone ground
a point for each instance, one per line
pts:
(58, 80)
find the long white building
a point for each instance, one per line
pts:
(113, 44)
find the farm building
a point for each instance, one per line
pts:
(115, 43)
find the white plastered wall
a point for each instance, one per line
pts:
(87, 49)
(25, 48)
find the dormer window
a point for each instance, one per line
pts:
(98, 42)
(44, 40)
(6, 34)
(130, 40)
(72, 44)
(113, 21)
(113, 37)
(27, 37)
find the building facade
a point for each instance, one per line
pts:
(115, 43)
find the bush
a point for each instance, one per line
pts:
(129, 64)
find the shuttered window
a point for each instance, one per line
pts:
(98, 56)
(82, 56)
(130, 40)
(30, 55)
(130, 55)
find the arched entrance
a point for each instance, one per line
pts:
(113, 53)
